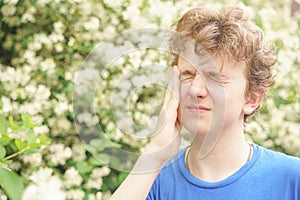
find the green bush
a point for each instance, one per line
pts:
(16, 139)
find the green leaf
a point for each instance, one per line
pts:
(27, 121)
(83, 167)
(6, 161)
(122, 176)
(32, 2)
(3, 125)
(44, 140)
(4, 141)
(20, 144)
(102, 158)
(94, 162)
(101, 144)
(11, 184)
(12, 124)
(30, 136)
(31, 151)
(2, 152)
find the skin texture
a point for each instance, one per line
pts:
(209, 91)
(213, 103)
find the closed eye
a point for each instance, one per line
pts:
(215, 76)
(187, 74)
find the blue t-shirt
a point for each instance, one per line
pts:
(268, 175)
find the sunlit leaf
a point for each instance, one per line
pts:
(20, 144)
(2, 152)
(3, 125)
(11, 184)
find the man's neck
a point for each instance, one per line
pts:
(229, 154)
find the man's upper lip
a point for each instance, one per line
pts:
(200, 107)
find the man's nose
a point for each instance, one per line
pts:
(199, 87)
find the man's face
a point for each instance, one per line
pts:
(212, 93)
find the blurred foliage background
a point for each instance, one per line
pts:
(44, 44)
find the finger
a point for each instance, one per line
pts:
(171, 102)
(172, 93)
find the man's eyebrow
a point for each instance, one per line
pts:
(190, 68)
(215, 72)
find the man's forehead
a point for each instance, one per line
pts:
(193, 61)
(195, 55)
(189, 58)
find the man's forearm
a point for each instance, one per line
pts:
(138, 183)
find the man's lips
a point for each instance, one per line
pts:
(198, 108)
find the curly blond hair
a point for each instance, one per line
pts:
(228, 31)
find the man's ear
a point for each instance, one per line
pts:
(253, 100)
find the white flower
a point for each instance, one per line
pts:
(125, 123)
(59, 47)
(30, 57)
(109, 31)
(42, 92)
(34, 160)
(39, 130)
(132, 10)
(43, 39)
(93, 24)
(124, 85)
(59, 27)
(30, 89)
(31, 108)
(42, 2)
(38, 119)
(100, 172)
(59, 154)
(88, 118)
(75, 194)
(48, 64)
(55, 38)
(7, 106)
(61, 107)
(27, 18)
(94, 183)
(138, 81)
(87, 74)
(78, 152)
(47, 190)
(42, 175)
(13, 2)
(8, 10)
(72, 178)
(98, 196)
(3, 196)
(71, 41)
(144, 133)
(69, 76)
(113, 4)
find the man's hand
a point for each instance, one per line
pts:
(166, 140)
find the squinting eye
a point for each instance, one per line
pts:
(187, 75)
(215, 76)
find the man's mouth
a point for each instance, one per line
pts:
(198, 108)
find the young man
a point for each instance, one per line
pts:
(219, 78)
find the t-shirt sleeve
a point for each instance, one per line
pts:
(154, 191)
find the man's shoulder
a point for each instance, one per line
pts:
(279, 160)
